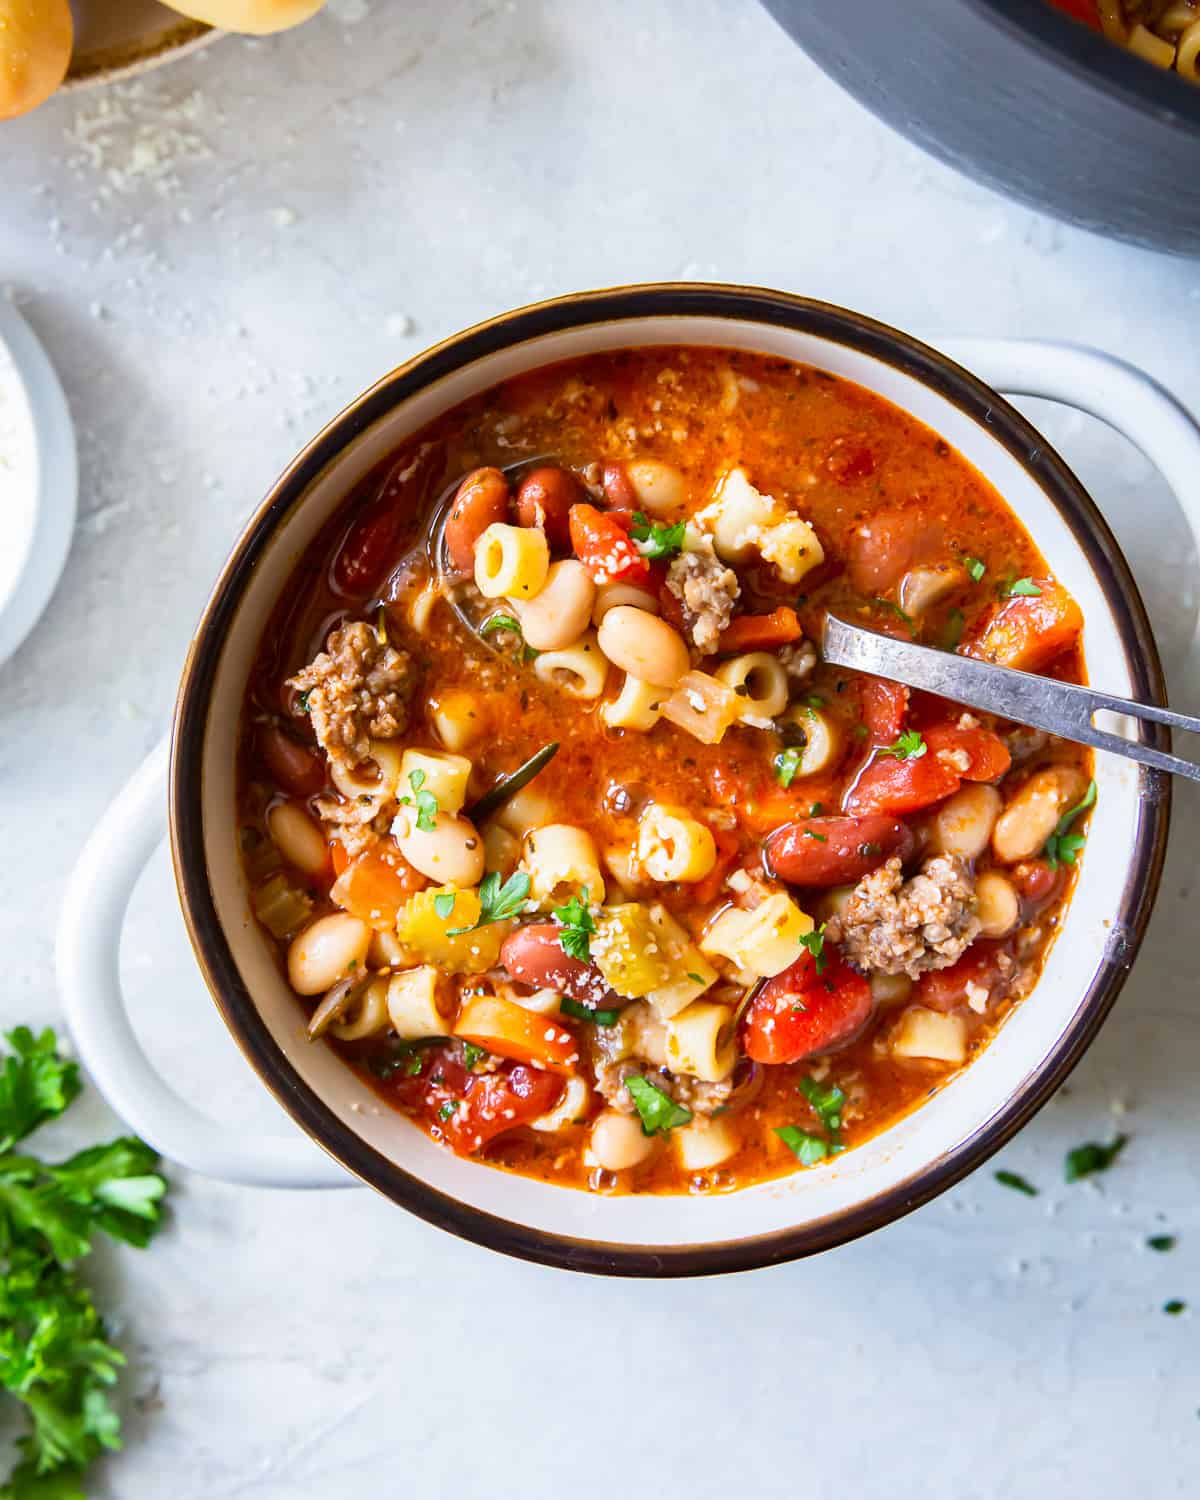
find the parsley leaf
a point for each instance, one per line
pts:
(895, 609)
(814, 942)
(1092, 1157)
(976, 567)
(827, 1101)
(498, 902)
(446, 1110)
(808, 1149)
(1174, 1307)
(658, 1111)
(582, 1012)
(36, 1084)
(953, 633)
(1162, 1242)
(787, 764)
(473, 1055)
(1062, 846)
(302, 700)
(444, 904)
(1016, 1181)
(500, 622)
(577, 926)
(656, 538)
(1021, 588)
(819, 838)
(909, 746)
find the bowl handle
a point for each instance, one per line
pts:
(89, 936)
(1120, 394)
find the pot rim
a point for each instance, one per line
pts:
(1093, 59)
(620, 304)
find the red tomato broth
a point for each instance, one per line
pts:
(842, 458)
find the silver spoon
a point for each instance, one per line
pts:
(1060, 708)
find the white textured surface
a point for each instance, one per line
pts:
(217, 259)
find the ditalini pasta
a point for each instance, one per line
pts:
(1163, 32)
(568, 841)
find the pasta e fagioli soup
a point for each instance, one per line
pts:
(570, 843)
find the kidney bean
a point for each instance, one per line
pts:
(481, 500)
(296, 768)
(835, 851)
(544, 498)
(534, 956)
(365, 556)
(618, 487)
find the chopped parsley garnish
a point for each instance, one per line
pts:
(500, 622)
(658, 1111)
(656, 538)
(412, 1068)
(1162, 1242)
(808, 1149)
(909, 746)
(582, 1012)
(473, 1055)
(827, 1100)
(816, 810)
(976, 567)
(1062, 846)
(814, 700)
(870, 850)
(1022, 588)
(446, 1111)
(814, 942)
(695, 978)
(1174, 1307)
(1092, 1157)
(444, 904)
(819, 838)
(953, 633)
(303, 700)
(528, 654)
(895, 609)
(381, 630)
(787, 764)
(577, 926)
(1017, 1182)
(426, 802)
(498, 902)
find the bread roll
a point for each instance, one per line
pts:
(258, 17)
(35, 49)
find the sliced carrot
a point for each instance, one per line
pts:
(1027, 631)
(760, 632)
(509, 1030)
(376, 884)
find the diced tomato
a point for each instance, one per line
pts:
(604, 547)
(1036, 880)
(884, 705)
(849, 459)
(707, 890)
(470, 1109)
(801, 1011)
(835, 851)
(887, 543)
(1026, 631)
(987, 752)
(369, 549)
(946, 989)
(376, 883)
(889, 785)
(760, 632)
(1080, 10)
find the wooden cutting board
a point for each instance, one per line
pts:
(115, 38)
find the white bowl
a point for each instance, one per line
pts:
(915, 1158)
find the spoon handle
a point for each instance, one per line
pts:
(1061, 708)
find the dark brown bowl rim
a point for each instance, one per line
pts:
(620, 304)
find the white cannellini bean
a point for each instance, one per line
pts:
(618, 1141)
(451, 852)
(964, 823)
(996, 904)
(659, 487)
(609, 595)
(298, 838)
(325, 951)
(560, 613)
(1030, 817)
(643, 645)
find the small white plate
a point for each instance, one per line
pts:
(120, 38)
(39, 480)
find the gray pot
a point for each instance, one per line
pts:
(1017, 95)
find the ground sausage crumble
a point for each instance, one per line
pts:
(357, 690)
(708, 590)
(893, 926)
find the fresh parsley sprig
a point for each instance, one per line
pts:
(55, 1357)
(424, 801)
(577, 926)
(656, 538)
(499, 901)
(1020, 588)
(1092, 1157)
(787, 763)
(1062, 846)
(658, 1112)
(909, 746)
(814, 942)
